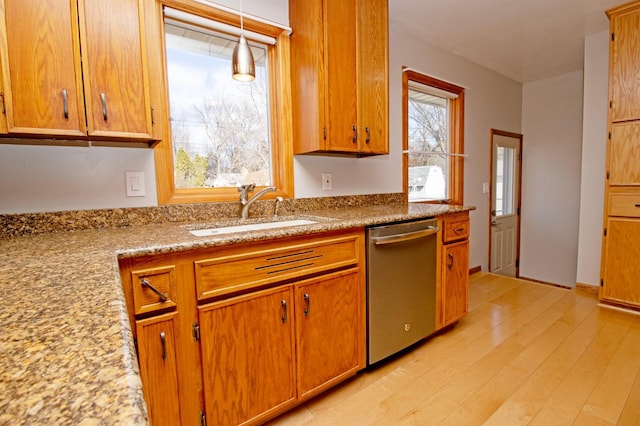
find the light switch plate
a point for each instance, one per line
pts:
(485, 187)
(135, 184)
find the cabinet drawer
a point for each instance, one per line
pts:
(153, 289)
(455, 228)
(236, 272)
(624, 204)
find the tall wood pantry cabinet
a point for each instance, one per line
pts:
(620, 270)
(74, 69)
(339, 73)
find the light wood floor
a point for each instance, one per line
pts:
(527, 353)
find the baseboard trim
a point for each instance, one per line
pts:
(587, 288)
(545, 283)
(618, 308)
(475, 269)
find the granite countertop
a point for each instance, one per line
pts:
(66, 349)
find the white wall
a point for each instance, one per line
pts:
(552, 128)
(491, 101)
(594, 136)
(53, 178)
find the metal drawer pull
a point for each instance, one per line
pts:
(355, 133)
(164, 345)
(65, 104)
(163, 296)
(450, 264)
(397, 238)
(368, 131)
(458, 230)
(103, 99)
(637, 205)
(283, 303)
(308, 308)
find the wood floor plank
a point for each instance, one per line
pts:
(567, 400)
(631, 410)
(554, 326)
(611, 392)
(526, 353)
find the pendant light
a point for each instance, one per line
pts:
(244, 68)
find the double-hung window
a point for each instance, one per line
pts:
(433, 123)
(222, 133)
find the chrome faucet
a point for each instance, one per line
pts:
(246, 202)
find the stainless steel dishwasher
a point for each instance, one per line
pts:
(401, 286)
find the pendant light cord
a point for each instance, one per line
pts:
(241, 20)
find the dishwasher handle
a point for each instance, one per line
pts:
(397, 238)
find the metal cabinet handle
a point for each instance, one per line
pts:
(283, 303)
(637, 205)
(164, 345)
(103, 99)
(163, 296)
(407, 236)
(65, 104)
(355, 133)
(368, 132)
(307, 310)
(450, 264)
(458, 230)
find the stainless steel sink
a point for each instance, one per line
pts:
(207, 230)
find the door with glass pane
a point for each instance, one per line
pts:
(504, 245)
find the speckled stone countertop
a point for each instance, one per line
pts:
(66, 349)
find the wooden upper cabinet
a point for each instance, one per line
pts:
(625, 62)
(339, 69)
(74, 69)
(373, 77)
(41, 74)
(116, 92)
(341, 83)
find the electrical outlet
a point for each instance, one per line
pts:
(327, 184)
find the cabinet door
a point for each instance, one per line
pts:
(158, 368)
(621, 266)
(455, 281)
(330, 326)
(40, 62)
(247, 356)
(373, 76)
(624, 154)
(117, 97)
(340, 63)
(625, 66)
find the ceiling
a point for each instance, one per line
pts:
(526, 40)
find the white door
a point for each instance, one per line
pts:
(504, 244)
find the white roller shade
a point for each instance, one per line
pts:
(178, 17)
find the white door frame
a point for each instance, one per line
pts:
(518, 194)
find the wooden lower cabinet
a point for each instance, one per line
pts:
(621, 268)
(247, 351)
(159, 367)
(453, 270)
(455, 281)
(330, 330)
(256, 349)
